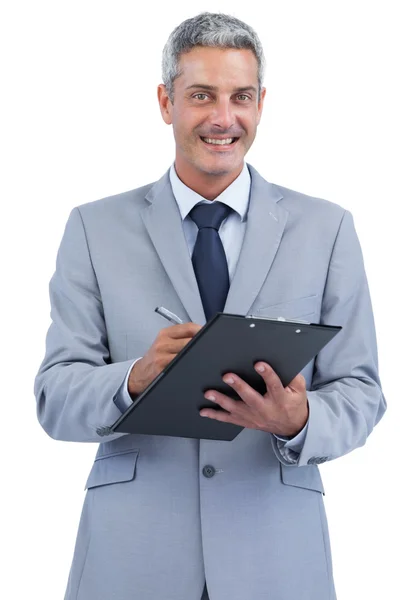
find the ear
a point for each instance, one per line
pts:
(165, 104)
(261, 104)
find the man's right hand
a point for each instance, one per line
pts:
(168, 343)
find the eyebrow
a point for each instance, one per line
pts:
(214, 88)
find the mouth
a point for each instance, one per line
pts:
(218, 146)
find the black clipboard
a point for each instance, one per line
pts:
(170, 405)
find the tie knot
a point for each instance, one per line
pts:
(209, 215)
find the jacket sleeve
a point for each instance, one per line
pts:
(345, 400)
(76, 385)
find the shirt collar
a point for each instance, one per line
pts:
(236, 195)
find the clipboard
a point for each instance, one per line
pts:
(171, 403)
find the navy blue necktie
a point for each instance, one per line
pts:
(208, 258)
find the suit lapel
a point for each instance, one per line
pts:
(266, 221)
(265, 225)
(164, 225)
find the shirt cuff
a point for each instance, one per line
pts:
(290, 448)
(123, 399)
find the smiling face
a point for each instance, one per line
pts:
(215, 97)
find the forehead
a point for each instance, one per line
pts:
(221, 67)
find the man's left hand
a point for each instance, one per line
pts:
(281, 411)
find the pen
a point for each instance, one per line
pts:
(167, 314)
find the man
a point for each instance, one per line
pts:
(164, 515)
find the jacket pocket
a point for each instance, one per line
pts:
(291, 309)
(304, 477)
(113, 468)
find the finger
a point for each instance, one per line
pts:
(174, 346)
(247, 393)
(221, 415)
(224, 401)
(183, 330)
(271, 379)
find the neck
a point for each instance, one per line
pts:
(208, 185)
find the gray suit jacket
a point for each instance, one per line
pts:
(154, 525)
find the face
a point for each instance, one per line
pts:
(229, 110)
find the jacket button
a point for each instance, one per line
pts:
(208, 471)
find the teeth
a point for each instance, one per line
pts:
(220, 142)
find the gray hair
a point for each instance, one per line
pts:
(216, 30)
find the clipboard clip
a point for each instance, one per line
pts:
(278, 319)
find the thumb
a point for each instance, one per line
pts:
(298, 384)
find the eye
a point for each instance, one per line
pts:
(239, 95)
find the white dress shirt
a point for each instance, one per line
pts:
(231, 232)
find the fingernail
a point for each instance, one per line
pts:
(229, 380)
(260, 368)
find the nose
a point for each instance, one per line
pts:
(222, 115)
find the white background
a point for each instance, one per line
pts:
(80, 121)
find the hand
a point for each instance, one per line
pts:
(168, 343)
(281, 411)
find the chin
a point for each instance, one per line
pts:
(219, 172)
